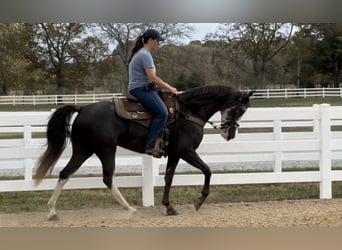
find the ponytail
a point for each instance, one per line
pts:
(138, 45)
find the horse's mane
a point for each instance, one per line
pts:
(209, 93)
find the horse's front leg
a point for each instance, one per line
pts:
(193, 159)
(170, 171)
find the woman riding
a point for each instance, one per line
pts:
(143, 83)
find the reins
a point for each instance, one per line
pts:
(188, 116)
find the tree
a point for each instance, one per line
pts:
(183, 66)
(260, 42)
(58, 44)
(124, 35)
(329, 47)
(15, 57)
(7, 38)
(300, 57)
(228, 63)
(318, 49)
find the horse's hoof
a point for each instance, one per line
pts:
(131, 210)
(171, 211)
(198, 203)
(53, 217)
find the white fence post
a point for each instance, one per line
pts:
(325, 156)
(27, 135)
(148, 181)
(28, 164)
(277, 136)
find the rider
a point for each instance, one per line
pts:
(142, 84)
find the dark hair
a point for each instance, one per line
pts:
(139, 43)
(150, 33)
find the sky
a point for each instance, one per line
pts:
(199, 33)
(200, 30)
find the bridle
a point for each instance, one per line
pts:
(227, 124)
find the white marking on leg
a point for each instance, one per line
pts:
(119, 197)
(53, 199)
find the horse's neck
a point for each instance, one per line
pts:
(206, 112)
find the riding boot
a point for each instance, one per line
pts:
(157, 151)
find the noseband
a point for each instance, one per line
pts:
(225, 125)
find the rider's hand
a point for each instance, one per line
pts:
(172, 90)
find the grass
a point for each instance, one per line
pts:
(16, 202)
(21, 135)
(12, 108)
(35, 201)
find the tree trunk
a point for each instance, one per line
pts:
(337, 75)
(59, 82)
(262, 74)
(298, 69)
(255, 72)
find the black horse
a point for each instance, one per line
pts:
(97, 129)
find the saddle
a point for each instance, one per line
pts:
(128, 107)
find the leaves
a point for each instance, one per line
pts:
(78, 57)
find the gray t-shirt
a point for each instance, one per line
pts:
(136, 70)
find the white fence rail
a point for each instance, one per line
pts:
(90, 98)
(265, 134)
(298, 93)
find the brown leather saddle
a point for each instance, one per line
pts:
(128, 107)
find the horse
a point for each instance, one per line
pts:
(97, 129)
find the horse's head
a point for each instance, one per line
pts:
(232, 113)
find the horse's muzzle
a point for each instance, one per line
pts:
(229, 133)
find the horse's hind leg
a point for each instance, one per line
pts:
(53, 199)
(74, 164)
(107, 158)
(119, 197)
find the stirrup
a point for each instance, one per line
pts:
(155, 152)
(158, 149)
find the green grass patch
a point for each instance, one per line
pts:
(21, 135)
(28, 107)
(16, 202)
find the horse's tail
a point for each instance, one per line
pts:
(57, 132)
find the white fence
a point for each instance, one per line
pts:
(265, 134)
(298, 93)
(90, 98)
(54, 99)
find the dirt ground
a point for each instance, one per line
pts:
(303, 213)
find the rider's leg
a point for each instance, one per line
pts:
(151, 100)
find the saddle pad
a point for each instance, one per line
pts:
(130, 110)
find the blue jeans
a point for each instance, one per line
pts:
(155, 105)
